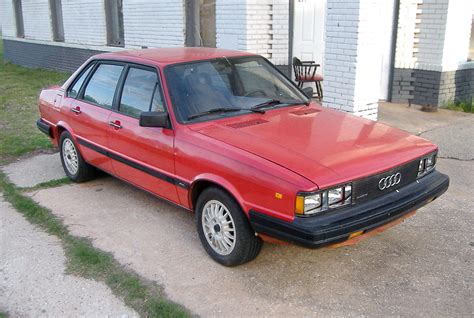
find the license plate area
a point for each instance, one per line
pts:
(385, 182)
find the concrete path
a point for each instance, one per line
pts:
(35, 170)
(32, 279)
(453, 132)
(421, 267)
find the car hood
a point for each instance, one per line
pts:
(325, 146)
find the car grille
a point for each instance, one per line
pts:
(368, 188)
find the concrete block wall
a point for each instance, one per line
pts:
(153, 24)
(456, 86)
(61, 58)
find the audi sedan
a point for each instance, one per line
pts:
(227, 136)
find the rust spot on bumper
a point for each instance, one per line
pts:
(373, 232)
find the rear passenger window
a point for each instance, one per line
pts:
(101, 87)
(74, 90)
(141, 93)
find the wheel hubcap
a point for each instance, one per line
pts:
(218, 227)
(71, 161)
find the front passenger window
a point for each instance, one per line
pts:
(141, 93)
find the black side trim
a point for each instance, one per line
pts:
(336, 226)
(135, 165)
(44, 127)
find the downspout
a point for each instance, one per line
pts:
(394, 50)
(290, 36)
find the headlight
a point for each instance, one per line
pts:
(311, 203)
(427, 164)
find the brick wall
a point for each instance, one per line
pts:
(153, 24)
(36, 55)
(36, 19)
(431, 53)
(231, 32)
(353, 56)
(257, 26)
(456, 86)
(7, 18)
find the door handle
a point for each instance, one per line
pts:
(116, 124)
(76, 110)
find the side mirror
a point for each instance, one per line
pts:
(155, 119)
(308, 91)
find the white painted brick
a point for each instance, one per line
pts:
(84, 22)
(37, 20)
(7, 18)
(153, 24)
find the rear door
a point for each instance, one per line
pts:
(143, 156)
(91, 109)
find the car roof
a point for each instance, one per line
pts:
(166, 56)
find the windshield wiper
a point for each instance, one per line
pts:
(267, 103)
(213, 111)
(273, 102)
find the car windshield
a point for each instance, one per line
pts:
(223, 87)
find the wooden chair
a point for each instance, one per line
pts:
(305, 72)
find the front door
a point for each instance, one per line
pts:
(308, 31)
(142, 155)
(90, 112)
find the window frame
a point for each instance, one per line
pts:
(158, 88)
(115, 104)
(229, 115)
(78, 76)
(80, 95)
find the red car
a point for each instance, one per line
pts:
(226, 135)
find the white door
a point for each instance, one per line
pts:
(308, 31)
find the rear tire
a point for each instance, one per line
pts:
(224, 229)
(74, 165)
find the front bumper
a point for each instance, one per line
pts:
(336, 226)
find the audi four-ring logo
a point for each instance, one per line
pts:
(390, 181)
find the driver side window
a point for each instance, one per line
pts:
(256, 79)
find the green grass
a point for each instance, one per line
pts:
(19, 91)
(49, 184)
(83, 259)
(467, 107)
(3, 315)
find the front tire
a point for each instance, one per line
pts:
(74, 165)
(224, 230)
